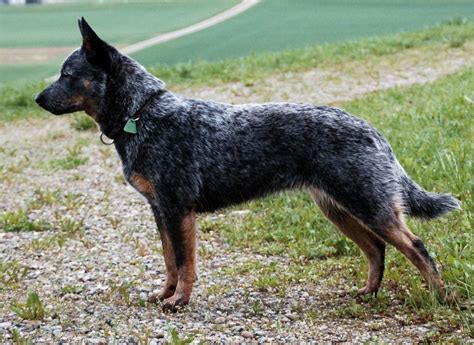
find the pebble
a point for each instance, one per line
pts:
(247, 334)
(219, 320)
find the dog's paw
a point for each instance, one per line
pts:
(176, 301)
(157, 296)
(366, 290)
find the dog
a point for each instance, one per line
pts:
(187, 156)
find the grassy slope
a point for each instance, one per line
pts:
(120, 23)
(17, 102)
(276, 25)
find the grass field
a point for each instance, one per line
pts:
(56, 25)
(276, 25)
(17, 102)
(272, 26)
(120, 23)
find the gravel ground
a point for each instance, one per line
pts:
(95, 282)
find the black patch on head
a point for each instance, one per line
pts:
(97, 51)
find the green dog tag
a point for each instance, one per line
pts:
(130, 126)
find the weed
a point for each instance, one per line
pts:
(82, 122)
(31, 310)
(18, 339)
(175, 339)
(71, 289)
(121, 291)
(71, 161)
(19, 221)
(71, 227)
(11, 273)
(257, 308)
(44, 198)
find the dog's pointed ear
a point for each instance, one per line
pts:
(97, 51)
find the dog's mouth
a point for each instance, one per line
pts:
(56, 109)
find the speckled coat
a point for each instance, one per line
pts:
(191, 155)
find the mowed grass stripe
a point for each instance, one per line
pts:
(119, 23)
(276, 25)
(18, 103)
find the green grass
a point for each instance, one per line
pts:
(16, 221)
(56, 25)
(248, 69)
(11, 274)
(20, 74)
(430, 129)
(32, 309)
(71, 161)
(276, 25)
(83, 122)
(18, 102)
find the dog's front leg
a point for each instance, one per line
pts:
(182, 233)
(170, 260)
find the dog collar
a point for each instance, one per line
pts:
(131, 124)
(130, 127)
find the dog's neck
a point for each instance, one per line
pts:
(131, 89)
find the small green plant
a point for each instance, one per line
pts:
(71, 227)
(19, 221)
(33, 309)
(71, 289)
(11, 273)
(82, 122)
(121, 291)
(175, 339)
(71, 161)
(257, 308)
(18, 339)
(44, 198)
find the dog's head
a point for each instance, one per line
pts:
(83, 77)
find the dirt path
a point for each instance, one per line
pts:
(94, 281)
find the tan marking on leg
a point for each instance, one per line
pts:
(187, 272)
(171, 269)
(406, 242)
(371, 245)
(143, 185)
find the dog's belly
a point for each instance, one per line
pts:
(213, 198)
(215, 201)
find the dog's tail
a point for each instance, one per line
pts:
(422, 204)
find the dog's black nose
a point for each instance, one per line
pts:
(39, 98)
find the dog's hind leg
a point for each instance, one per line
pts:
(371, 245)
(397, 234)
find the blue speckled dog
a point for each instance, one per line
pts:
(186, 156)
